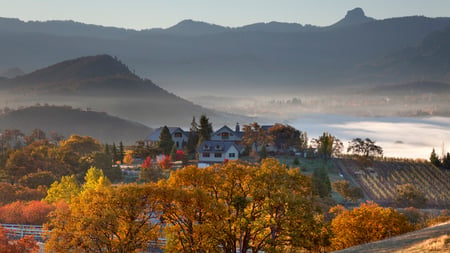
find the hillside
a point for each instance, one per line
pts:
(66, 121)
(432, 239)
(380, 180)
(260, 58)
(102, 83)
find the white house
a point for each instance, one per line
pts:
(179, 136)
(210, 152)
(227, 134)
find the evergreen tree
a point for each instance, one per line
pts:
(193, 138)
(205, 129)
(107, 151)
(321, 185)
(173, 153)
(121, 151)
(115, 156)
(165, 141)
(263, 152)
(434, 159)
(446, 161)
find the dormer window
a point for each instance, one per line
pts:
(218, 147)
(177, 135)
(225, 135)
(206, 147)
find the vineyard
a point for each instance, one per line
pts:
(380, 180)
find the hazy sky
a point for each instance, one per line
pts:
(142, 14)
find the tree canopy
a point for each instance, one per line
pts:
(165, 141)
(327, 145)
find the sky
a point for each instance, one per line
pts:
(145, 14)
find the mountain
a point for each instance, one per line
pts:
(66, 121)
(258, 59)
(429, 59)
(102, 83)
(353, 17)
(12, 72)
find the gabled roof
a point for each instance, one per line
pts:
(155, 135)
(225, 127)
(216, 146)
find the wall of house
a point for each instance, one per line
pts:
(217, 136)
(224, 155)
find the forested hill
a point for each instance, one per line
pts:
(102, 83)
(66, 121)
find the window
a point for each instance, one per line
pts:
(225, 135)
(218, 147)
(231, 155)
(177, 135)
(217, 155)
(206, 147)
(205, 154)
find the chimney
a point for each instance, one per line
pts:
(238, 129)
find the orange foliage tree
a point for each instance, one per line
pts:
(24, 245)
(165, 162)
(32, 213)
(367, 223)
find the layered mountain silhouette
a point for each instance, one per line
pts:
(66, 121)
(193, 56)
(101, 83)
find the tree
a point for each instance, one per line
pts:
(284, 137)
(327, 145)
(24, 245)
(128, 158)
(36, 135)
(434, 159)
(65, 190)
(366, 223)
(366, 150)
(321, 185)
(193, 139)
(446, 161)
(165, 141)
(255, 136)
(36, 179)
(149, 172)
(173, 153)
(205, 128)
(347, 191)
(165, 162)
(303, 142)
(94, 179)
(81, 145)
(113, 219)
(236, 205)
(410, 195)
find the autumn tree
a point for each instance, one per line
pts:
(366, 223)
(149, 172)
(36, 135)
(113, 219)
(347, 191)
(242, 206)
(24, 245)
(128, 158)
(410, 195)
(365, 150)
(303, 142)
(327, 145)
(36, 179)
(65, 190)
(165, 162)
(255, 136)
(165, 141)
(19, 212)
(285, 137)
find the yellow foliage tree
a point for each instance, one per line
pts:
(112, 219)
(128, 158)
(367, 223)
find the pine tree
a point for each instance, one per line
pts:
(115, 156)
(434, 159)
(321, 185)
(193, 138)
(121, 151)
(446, 161)
(205, 129)
(165, 141)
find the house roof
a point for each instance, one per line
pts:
(155, 135)
(216, 146)
(225, 127)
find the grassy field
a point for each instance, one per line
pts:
(432, 239)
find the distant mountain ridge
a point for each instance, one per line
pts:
(66, 121)
(196, 56)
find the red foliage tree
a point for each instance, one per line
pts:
(24, 245)
(165, 162)
(147, 163)
(32, 213)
